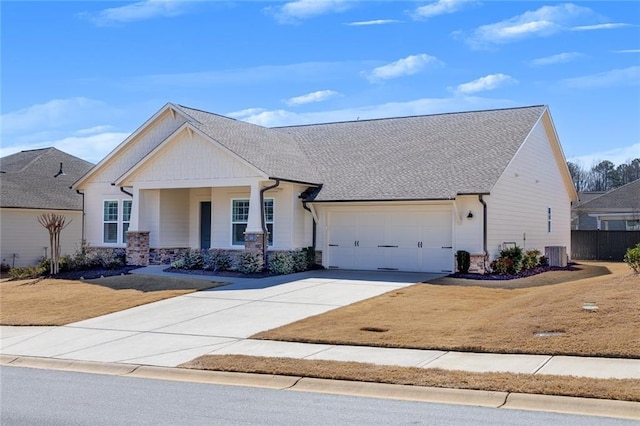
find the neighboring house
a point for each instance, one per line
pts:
(615, 210)
(388, 194)
(32, 183)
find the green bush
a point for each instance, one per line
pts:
(250, 262)
(193, 259)
(502, 266)
(4, 267)
(515, 255)
(26, 272)
(281, 262)
(632, 258)
(531, 259)
(463, 259)
(303, 259)
(177, 264)
(216, 260)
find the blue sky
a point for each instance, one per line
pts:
(82, 76)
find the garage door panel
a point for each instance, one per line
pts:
(391, 239)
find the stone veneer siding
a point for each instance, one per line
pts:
(138, 248)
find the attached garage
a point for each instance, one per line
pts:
(394, 239)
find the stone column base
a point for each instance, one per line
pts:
(138, 248)
(478, 264)
(256, 241)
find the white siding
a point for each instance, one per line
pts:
(190, 157)
(22, 234)
(150, 215)
(131, 154)
(468, 231)
(517, 206)
(95, 195)
(174, 218)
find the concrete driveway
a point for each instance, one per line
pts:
(176, 330)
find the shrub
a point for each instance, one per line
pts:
(463, 259)
(281, 262)
(193, 259)
(530, 259)
(4, 267)
(216, 260)
(515, 255)
(177, 264)
(543, 261)
(301, 259)
(502, 266)
(250, 262)
(26, 272)
(632, 258)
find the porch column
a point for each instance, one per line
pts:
(254, 237)
(134, 220)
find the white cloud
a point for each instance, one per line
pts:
(617, 156)
(406, 66)
(140, 11)
(488, 82)
(374, 22)
(54, 114)
(296, 11)
(274, 118)
(610, 26)
(559, 58)
(617, 77)
(544, 21)
(440, 7)
(628, 51)
(318, 96)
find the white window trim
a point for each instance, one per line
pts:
(122, 231)
(231, 242)
(116, 222)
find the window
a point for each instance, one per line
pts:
(110, 219)
(549, 219)
(126, 218)
(240, 217)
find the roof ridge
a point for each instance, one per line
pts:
(609, 192)
(412, 116)
(208, 112)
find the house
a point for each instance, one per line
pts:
(386, 194)
(614, 210)
(32, 183)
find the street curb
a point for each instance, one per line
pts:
(404, 392)
(495, 399)
(572, 405)
(215, 377)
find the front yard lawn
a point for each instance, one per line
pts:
(485, 319)
(59, 302)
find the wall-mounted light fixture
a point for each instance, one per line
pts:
(470, 215)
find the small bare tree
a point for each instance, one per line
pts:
(54, 223)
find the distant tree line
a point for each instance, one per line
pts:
(604, 175)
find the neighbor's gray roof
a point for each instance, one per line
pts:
(624, 198)
(275, 153)
(27, 180)
(422, 157)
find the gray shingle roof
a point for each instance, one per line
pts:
(624, 198)
(275, 153)
(422, 157)
(27, 180)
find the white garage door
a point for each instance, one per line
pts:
(391, 240)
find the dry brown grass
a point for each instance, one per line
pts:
(60, 302)
(619, 389)
(465, 318)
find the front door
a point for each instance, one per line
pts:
(205, 225)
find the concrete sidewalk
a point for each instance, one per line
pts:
(220, 321)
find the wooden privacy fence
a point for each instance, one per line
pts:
(602, 245)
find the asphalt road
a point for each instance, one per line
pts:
(47, 397)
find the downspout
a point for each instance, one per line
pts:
(484, 230)
(313, 229)
(263, 222)
(83, 215)
(126, 192)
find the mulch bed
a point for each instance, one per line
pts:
(91, 274)
(522, 274)
(234, 274)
